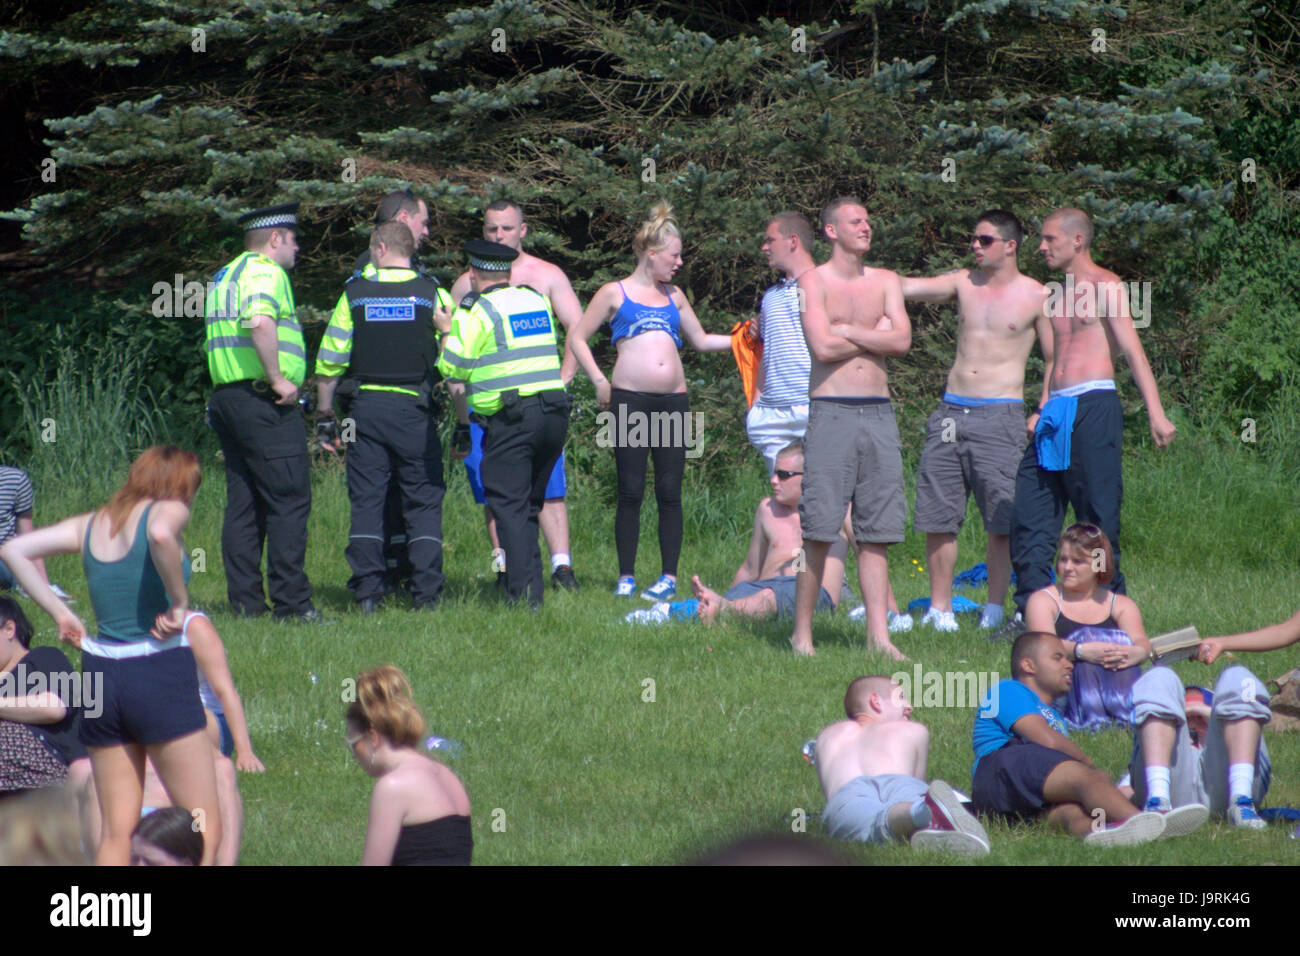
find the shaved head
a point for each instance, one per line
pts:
(1073, 222)
(860, 690)
(1026, 646)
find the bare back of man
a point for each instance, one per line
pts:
(872, 771)
(853, 319)
(975, 439)
(847, 750)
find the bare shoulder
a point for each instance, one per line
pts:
(1030, 285)
(1125, 605)
(884, 278)
(460, 288)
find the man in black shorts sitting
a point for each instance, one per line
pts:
(1025, 764)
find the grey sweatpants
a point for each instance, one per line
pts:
(1199, 776)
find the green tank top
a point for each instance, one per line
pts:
(127, 594)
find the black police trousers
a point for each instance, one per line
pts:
(268, 499)
(520, 447)
(395, 438)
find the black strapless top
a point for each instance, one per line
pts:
(446, 841)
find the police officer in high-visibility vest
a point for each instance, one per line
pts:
(382, 332)
(502, 345)
(405, 207)
(258, 361)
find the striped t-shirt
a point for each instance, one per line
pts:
(15, 499)
(786, 366)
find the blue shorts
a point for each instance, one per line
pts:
(555, 485)
(227, 738)
(146, 700)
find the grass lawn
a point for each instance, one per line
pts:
(590, 741)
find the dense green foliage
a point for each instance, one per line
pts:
(1174, 124)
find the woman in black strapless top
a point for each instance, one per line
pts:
(419, 811)
(1084, 566)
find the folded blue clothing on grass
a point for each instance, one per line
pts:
(960, 605)
(978, 575)
(1279, 813)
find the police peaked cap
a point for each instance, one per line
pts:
(489, 256)
(284, 216)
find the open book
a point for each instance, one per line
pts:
(1179, 645)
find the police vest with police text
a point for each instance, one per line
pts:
(523, 349)
(393, 336)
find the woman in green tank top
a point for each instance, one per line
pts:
(138, 666)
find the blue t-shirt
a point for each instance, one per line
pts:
(1005, 704)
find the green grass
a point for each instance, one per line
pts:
(573, 766)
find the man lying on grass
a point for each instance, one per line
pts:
(872, 771)
(764, 584)
(1025, 764)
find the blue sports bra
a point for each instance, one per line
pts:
(633, 318)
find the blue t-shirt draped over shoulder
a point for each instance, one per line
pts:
(1005, 704)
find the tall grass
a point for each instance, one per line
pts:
(84, 424)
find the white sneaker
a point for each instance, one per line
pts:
(858, 613)
(950, 841)
(658, 614)
(992, 616)
(61, 594)
(1140, 828)
(898, 623)
(1179, 821)
(940, 620)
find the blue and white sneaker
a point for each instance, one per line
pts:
(664, 589)
(626, 587)
(1243, 814)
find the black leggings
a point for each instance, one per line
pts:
(632, 447)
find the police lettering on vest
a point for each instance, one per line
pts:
(503, 339)
(382, 329)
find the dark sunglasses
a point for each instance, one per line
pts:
(1091, 530)
(986, 241)
(786, 475)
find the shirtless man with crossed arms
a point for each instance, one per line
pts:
(975, 439)
(853, 318)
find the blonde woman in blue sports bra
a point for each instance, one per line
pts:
(649, 317)
(138, 665)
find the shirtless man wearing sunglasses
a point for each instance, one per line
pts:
(976, 437)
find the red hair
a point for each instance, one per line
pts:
(163, 471)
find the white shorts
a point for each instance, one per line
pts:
(772, 427)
